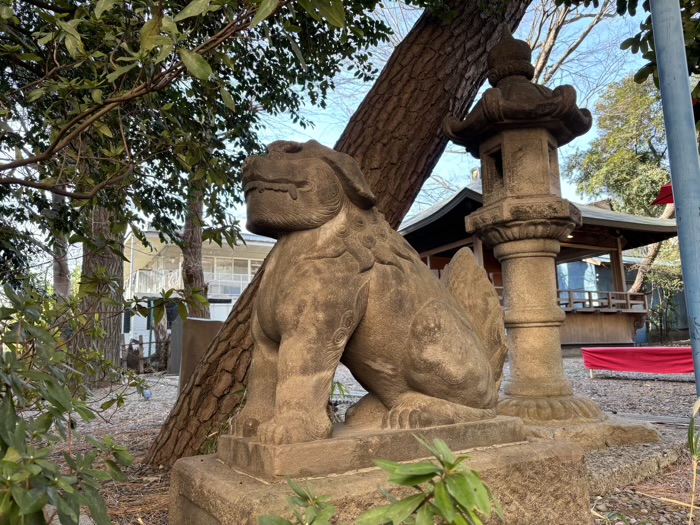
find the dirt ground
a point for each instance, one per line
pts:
(663, 500)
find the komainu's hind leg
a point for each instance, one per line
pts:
(368, 412)
(416, 410)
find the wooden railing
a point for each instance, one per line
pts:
(605, 302)
(579, 300)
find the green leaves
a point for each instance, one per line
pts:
(194, 8)
(330, 10)
(448, 491)
(308, 509)
(121, 70)
(227, 99)
(103, 6)
(266, 8)
(195, 64)
(38, 410)
(693, 436)
(71, 37)
(150, 35)
(273, 520)
(411, 474)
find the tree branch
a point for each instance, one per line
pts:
(50, 7)
(83, 121)
(548, 46)
(602, 14)
(59, 189)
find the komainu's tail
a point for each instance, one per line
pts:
(468, 283)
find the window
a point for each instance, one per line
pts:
(229, 276)
(224, 269)
(208, 268)
(127, 321)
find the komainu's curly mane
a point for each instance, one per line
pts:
(369, 239)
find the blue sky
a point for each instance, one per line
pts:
(597, 63)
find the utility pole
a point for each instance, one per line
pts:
(683, 155)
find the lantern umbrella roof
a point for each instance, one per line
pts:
(514, 102)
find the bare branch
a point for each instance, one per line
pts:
(50, 7)
(552, 35)
(600, 16)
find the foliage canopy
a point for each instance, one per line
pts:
(132, 105)
(627, 161)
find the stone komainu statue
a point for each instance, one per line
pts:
(342, 286)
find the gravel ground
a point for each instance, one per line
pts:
(616, 392)
(144, 498)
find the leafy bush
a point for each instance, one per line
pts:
(43, 391)
(447, 490)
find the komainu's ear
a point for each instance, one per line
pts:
(353, 180)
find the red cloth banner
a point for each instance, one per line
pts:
(665, 195)
(649, 359)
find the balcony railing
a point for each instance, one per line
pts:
(150, 282)
(584, 301)
(603, 302)
(226, 284)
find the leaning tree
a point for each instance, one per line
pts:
(396, 136)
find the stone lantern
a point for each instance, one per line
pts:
(515, 130)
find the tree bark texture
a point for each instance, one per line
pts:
(192, 272)
(98, 263)
(639, 281)
(61, 272)
(396, 136)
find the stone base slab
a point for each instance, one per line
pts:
(351, 449)
(537, 483)
(613, 432)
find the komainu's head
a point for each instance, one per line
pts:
(300, 186)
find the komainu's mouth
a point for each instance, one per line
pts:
(280, 185)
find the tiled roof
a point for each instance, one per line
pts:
(591, 215)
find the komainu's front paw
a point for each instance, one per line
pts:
(282, 431)
(403, 417)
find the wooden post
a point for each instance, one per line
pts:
(124, 353)
(141, 354)
(571, 300)
(478, 248)
(618, 268)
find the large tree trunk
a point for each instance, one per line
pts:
(103, 270)
(192, 272)
(396, 136)
(668, 213)
(61, 272)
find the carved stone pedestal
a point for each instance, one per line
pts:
(352, 449)
(537, 483)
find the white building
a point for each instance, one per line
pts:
(227, 271)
